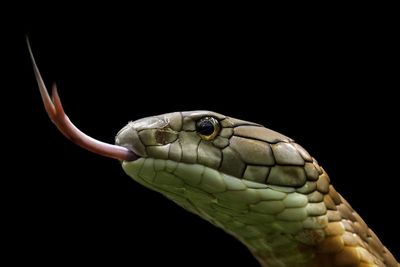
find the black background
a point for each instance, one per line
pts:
(327, 85)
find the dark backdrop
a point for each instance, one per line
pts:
(328, 87)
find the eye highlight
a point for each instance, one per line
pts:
(207, 128)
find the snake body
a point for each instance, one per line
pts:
(255, 184)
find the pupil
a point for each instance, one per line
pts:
(205, 127)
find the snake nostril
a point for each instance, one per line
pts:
(165, 136)
(160, 137)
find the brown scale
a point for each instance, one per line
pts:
(349, 242)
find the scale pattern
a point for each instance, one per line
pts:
(256, 184)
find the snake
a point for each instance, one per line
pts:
(254, 183)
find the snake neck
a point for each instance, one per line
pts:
(279, 249)
(307, 226)
(333, 235)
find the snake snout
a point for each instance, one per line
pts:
(128, 137)
(146, 133)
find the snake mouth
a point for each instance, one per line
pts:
(135, 154)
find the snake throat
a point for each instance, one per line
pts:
(268, 219)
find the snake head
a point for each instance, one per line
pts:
(242, 149)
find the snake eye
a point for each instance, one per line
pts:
(207, 128)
